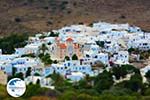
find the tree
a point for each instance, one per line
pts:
(100, 43)
(117, 91)
(43, 48)
(46, 59)
(14, 71)
(55, 61)
(135, 83)
(122, 71)
(119, 72)
(19, 75)
(54, 34)
(67, 58)
(68, 95)
(36, 74)
(130, 50)
(58, 79)
(7, 44)
(147, 92)
(129, 68)
(83, 84)
(103, 81)
(74, 57)
(17, 19)
(32, 90)
(28, 72)
(49, 43)
(84, 97)
(147, 75)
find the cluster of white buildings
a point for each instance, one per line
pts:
(79, 40)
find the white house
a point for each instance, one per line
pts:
(48, 71)
(8, 57)
(103, 26)
(28, 49)
(75, 76)
(140, 41)
(91, 58)
(32, 48)
(122, 57)
(44, 82)
(6, 67)
(111, 46)
(71, 66)
(22, 65)
(49, 39)
(141, 44)
(117, 33)
(5, 62)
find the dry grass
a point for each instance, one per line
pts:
(34, 16)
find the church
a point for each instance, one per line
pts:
(67, 48)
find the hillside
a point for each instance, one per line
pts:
(32, 16)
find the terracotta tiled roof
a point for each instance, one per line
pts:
(69, 40)
(62, 46)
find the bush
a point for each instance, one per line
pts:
(17, 19)
(84, 97)
(122, 16)
(3, 92)
(49, 22)
(67, 58)
(46, 7)
(74, 57)
(68, 95)
(7, 44)
(46, 59)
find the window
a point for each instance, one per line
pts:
(95, 56)
(145, 44)
(87, 56)
(121, 55)
(68, 64)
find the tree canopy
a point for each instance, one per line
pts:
(74, 57)
(103, 81)
(9, 43)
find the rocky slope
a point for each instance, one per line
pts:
(32, 16)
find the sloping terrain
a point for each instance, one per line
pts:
(32, 16)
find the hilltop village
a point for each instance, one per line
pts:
(77, 51)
